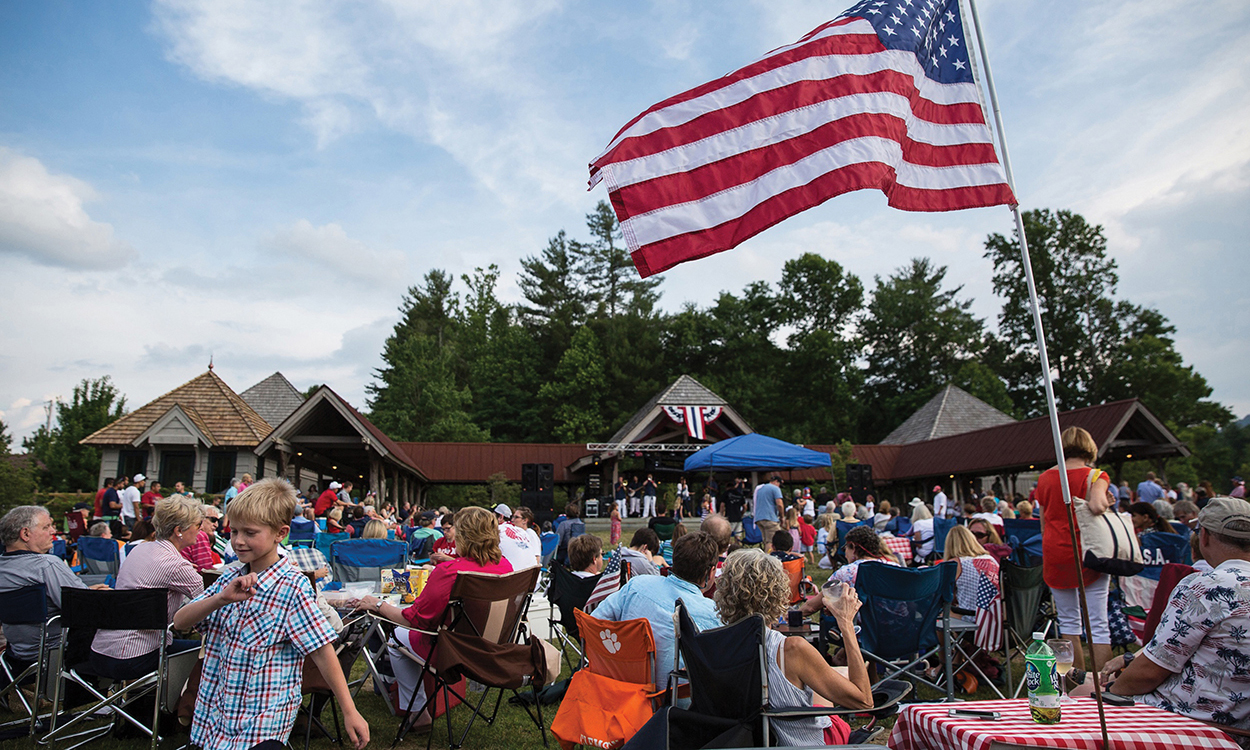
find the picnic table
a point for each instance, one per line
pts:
(926, 726)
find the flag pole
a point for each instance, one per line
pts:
(1045, 364)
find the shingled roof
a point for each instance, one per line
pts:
(273, 398)
(953, 411)
(218, 412)
(684, 391)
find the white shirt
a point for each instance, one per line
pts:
(922, 531)
(993, 518)
(517, 546)
(130, 500)
(941, 508)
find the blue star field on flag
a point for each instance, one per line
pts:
(931, 29)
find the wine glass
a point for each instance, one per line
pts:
(1063, 663)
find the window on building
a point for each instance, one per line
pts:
(177, 466)
(131, 462)
(220, 471)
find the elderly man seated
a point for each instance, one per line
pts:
(27, 532)
(655, 597)
(1198, 663)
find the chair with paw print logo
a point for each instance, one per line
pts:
(614, 692)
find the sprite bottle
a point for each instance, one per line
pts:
(1042, 679)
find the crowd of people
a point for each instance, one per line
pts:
(259, 619)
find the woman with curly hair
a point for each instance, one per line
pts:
(754, 583)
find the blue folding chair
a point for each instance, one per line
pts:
(60, 549)
(1159, 548)
(551, 542)
(420, 548)
(844, 528)
(899, 618)
(356, 560)
(303, 535)
(27, 605)
(750, 532)
(899, 526)
(323, 541)
(942, 527)
(98, 556)
(1024, 536)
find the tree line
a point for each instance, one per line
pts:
(814, 356)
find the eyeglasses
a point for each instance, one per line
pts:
(980, 535)
(212, 519)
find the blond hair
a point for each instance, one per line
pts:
(1077, 443)
(477, 535)
(176, 512)
(270, 502)
(961, 543)
(825, 521)
(375, 529)
(752, 583)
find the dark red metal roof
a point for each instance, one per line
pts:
(475, 462)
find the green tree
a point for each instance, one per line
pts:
(573, 396)
(917, 338)
(556, 302)
(17, 483)
(67, 465)
(817, 295)
(608, 270)
(419, 394)
(1101, 348)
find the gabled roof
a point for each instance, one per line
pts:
(953, 411)
(357, 422)
(217, 411)
(273, 398)
(684, 391)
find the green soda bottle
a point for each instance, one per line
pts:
(1041, 678)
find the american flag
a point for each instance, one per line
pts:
(989, 632)
(609, 581)
(696, 418)
(881, 97)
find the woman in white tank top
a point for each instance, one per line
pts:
(755, 583)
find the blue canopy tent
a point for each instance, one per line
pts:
(755, 452)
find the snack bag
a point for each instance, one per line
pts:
(388, 582)
(402, 581)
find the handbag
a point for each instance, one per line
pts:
(1107, 538)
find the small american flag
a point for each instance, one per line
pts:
(989, 633)
(609, 581)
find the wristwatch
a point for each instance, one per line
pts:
(377, 606)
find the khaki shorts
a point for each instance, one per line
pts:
(767, 529)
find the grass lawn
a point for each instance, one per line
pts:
(513, 730)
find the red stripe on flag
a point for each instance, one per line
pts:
(662, 255)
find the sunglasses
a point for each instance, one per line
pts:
(212, 519)
(980, 535)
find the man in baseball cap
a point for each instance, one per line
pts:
(1196, 664)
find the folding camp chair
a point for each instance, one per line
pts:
(614, 694)
(843, 528)
(303, 538)
(478, 640)
(1024, 536)
(1171, 575)
(968, 639)
(323, 541)
(942, 527)
(99, 556)
(76, 524)
(1025, 600)
(568, 593)
(751, 535)
(419, 548)
(899, 615)
(364, 559)
(551, 543)
(27, 605)
(135, 609)
(348, 646)
(729, 695)
(801, 586)
(664, 530)
(1157, 550)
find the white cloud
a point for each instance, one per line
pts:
(330, 247)
(42, 217)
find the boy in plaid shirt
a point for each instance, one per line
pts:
(259, 622)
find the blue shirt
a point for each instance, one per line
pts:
(655, 598)
(1148, 492)
(766, 497)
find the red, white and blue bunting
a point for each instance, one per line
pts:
(696, 418)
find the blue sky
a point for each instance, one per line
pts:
(260, 182)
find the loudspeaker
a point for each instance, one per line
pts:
(529, 477)
(859, 480)
(544, 475)
(539, 502)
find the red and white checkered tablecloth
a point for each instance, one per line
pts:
(928, 727)
(900, 546)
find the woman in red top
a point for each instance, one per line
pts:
(477, 543)
(1058, 566)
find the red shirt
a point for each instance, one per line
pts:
(445, 547)
(428, 611)
(325, 501)
(150, 498)
(1058, 566)
(99, 499)
(200, 552)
